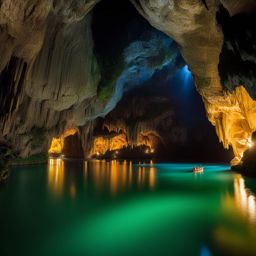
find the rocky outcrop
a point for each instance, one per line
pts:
(49, 73)
(193, 25)
(141, 60)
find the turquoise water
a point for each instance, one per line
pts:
(116, 208)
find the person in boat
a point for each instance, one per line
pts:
(248, 161)
(198, 169)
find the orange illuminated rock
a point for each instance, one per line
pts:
(102, 144)
(57, 144)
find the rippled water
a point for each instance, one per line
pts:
(117, 208)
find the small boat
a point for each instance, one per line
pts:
(198, 169)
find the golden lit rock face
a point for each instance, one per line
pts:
(102, 144)
(234, 119)
(57, 144)
(195, 29)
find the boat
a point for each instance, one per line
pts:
(198, 169)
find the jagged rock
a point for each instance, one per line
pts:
(144, 117)
(196, 30)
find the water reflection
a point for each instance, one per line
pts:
(244, 199)
(117, 177)
(239, 208)
(61, 178)
(56, 170)
(112, 177)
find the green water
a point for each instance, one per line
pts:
(116, 208)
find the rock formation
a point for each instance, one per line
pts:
(138, 120)
(49, 73)
(201, 38)
(50, 77)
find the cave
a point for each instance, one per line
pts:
(128, 127)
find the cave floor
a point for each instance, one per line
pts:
(120, 208)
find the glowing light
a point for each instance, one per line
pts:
(152, 150)
(185, 68)
(199, 170)
(97, 153)
(184, 78)
(186, 74)
(57, 144)
(245, 199)
(72, 190)
(147, 151)
(103, 144)
(249, 143)
(118, 176)
(56, 175)
(152, 176)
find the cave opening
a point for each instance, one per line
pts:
(150, 100)
(164, 91)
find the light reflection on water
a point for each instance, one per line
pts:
(114, 176)
(244, 199)
(56, 175)
(118, 176)
(107, 208)
(236, 236)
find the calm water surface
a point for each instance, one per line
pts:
(116, 208)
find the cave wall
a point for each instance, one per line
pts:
(50, 76)
(49, 73)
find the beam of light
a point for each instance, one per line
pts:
(245, 199)
(183, 81)
(186, 75)
(249, 143)
(56, 173)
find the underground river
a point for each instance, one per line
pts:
(120, 208)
